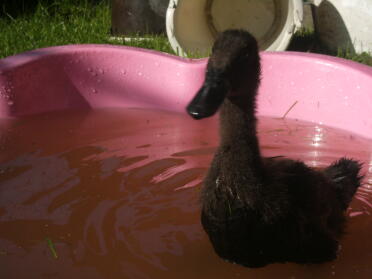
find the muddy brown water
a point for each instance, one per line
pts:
(115, 194)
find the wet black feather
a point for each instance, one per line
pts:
(256, 210)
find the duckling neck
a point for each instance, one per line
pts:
(238, 133)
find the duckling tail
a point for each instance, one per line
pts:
(345, 173)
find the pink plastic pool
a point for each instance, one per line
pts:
(329, 90)
(117, 191)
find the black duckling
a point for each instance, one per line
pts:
(258, 210)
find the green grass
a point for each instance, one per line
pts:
(305, 40)
(46, 27)
(156, 42)
(62, 22)
(364, 58)
(51, 247)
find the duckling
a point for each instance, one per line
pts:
(256, 210)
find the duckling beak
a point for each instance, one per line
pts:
(207, 100)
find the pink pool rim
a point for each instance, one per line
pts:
(321, 89)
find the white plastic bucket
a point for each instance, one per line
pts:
(192, 25)
(345, 24)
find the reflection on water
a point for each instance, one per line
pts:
(117, 192)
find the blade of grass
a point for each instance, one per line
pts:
(290, 108)
(51, 247)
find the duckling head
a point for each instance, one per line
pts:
(233, 72)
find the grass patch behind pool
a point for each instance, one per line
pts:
(62, 22)
(50, 26)
(305, 40)
(65, 22)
